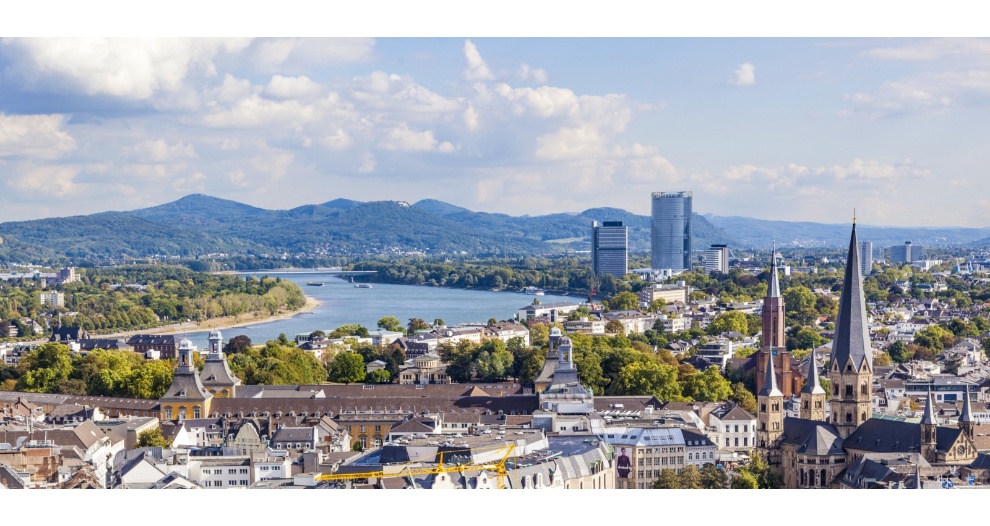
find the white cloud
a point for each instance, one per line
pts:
(745, 75)
(476, 67)
(570, 143)
(367, 164)
(159, 151)
(297, 54)
(34, 136)
(118, 67)
(402, 138)
(471, 118)
(300, 87)
(934, 49)
(927, 94)
(526, 72)
(53, 180)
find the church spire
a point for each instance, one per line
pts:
(928, 418)
(770, 380)
(813, 385)
(967, 413)
(774, 291)
(852, 337)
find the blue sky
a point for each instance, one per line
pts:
(775, 128)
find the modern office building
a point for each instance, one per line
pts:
(866, 257)
(609, 248)
(717, 259)
(671, 230)
(906, 253)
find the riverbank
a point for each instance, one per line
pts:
(226, 322)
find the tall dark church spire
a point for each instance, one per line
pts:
(851, 369)
(852, 335)
(774, 282)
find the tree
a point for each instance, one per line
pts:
(347, 367)
(417, 324)
(713, 478)
(390, 323)
(668, 479)
(708, 386)
(899, 352)
(317, 335)
(623, 301)
(351, 329)
(744, 480)
(152, 438)
(648, 378)
(744, 397)
(439, 323)
(934, 338)
(494, 361)
(378, 376)
(881, 359)
(656, 305)
(690, 477)
(614, 327)
(731, 321)
(237, 344)
(44, 367)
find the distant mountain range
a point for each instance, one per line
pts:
(199, 224)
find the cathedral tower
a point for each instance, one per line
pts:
(851, 369)
(770, 417)
(774, 338)
(813, 396)
(966, 421)
(929, 426)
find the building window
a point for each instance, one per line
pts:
(726, 441)
(745, 428)
(737, 428)
(849, 390)
(745, 441)
(196, 412)
(168, 412)
(736, 442)
(849, 417)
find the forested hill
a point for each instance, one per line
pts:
(199, 224)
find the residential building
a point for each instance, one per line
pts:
(52, 298)
(609, 245)
(668, 293)
(717, 259)
(732, 428)
(164, 345)
(670, 233)
(866, 257)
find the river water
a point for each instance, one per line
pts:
(343, 303)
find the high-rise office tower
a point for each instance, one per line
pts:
(907, 253)
(670, 232)
(866, 257)
(717, 259)
(609, 248)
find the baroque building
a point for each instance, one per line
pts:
(216, 375)
(187, 397)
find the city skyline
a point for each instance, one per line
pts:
(796, 129)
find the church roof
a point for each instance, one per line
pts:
(852, 338)
(812, 437)
(770, 380)
(889, 436)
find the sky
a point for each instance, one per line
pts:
(795, 129)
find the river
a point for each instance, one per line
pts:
(343, 303)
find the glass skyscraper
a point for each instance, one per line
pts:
(609, 248)
(670, 232)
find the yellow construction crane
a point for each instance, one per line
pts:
(411, 471)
